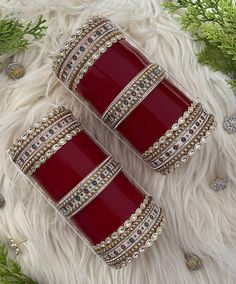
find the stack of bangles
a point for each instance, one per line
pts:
(133, 95)
(88, 187)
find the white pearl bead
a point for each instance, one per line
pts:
(197, 146)
(191, 152)
(168, 133)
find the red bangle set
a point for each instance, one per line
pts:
(133, 95)
(89, 187)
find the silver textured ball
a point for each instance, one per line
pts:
(229, 124)
(219, 183)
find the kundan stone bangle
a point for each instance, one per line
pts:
(88, 187)
(133, 95)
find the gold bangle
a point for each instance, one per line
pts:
(129, 224)
(94, 55)
(195, 145)
(43, 139)
(84, 48)
(181, 141)
(50, 148)
(82, 51)
(92, 185)
(36, 128)
(79, 34)
(133, 94)
(125, 245)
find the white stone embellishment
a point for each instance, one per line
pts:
(219, 183)
(229, 124)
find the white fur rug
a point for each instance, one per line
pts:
(200, 221)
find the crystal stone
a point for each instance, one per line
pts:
(219, 183)
(229, 124)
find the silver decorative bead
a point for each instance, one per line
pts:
(2, 201)
(192, 261)
(219, 183)
(229, 124)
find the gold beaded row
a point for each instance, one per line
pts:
(175, 134)
(146, 241)
(175, 131)
(35, 129)
(100, 47)
(74, 39)
(126, 228)
(191, 147)
(42, 150)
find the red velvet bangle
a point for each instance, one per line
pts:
(134, 96)
(88, 186)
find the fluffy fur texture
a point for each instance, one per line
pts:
(199, 220)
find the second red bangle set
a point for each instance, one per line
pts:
(133, 96)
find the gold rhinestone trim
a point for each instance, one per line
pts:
(112, 239)
(84, 48)
(89, 188)
(35, 129)
(43, 139)
(141, 233)
(79, 34)
(115, 36)
(191, 148)
(134, 236)
(167, 153)
(133, 94)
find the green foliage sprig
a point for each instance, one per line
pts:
(13, 34)
(10, 270)
(214, 23)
